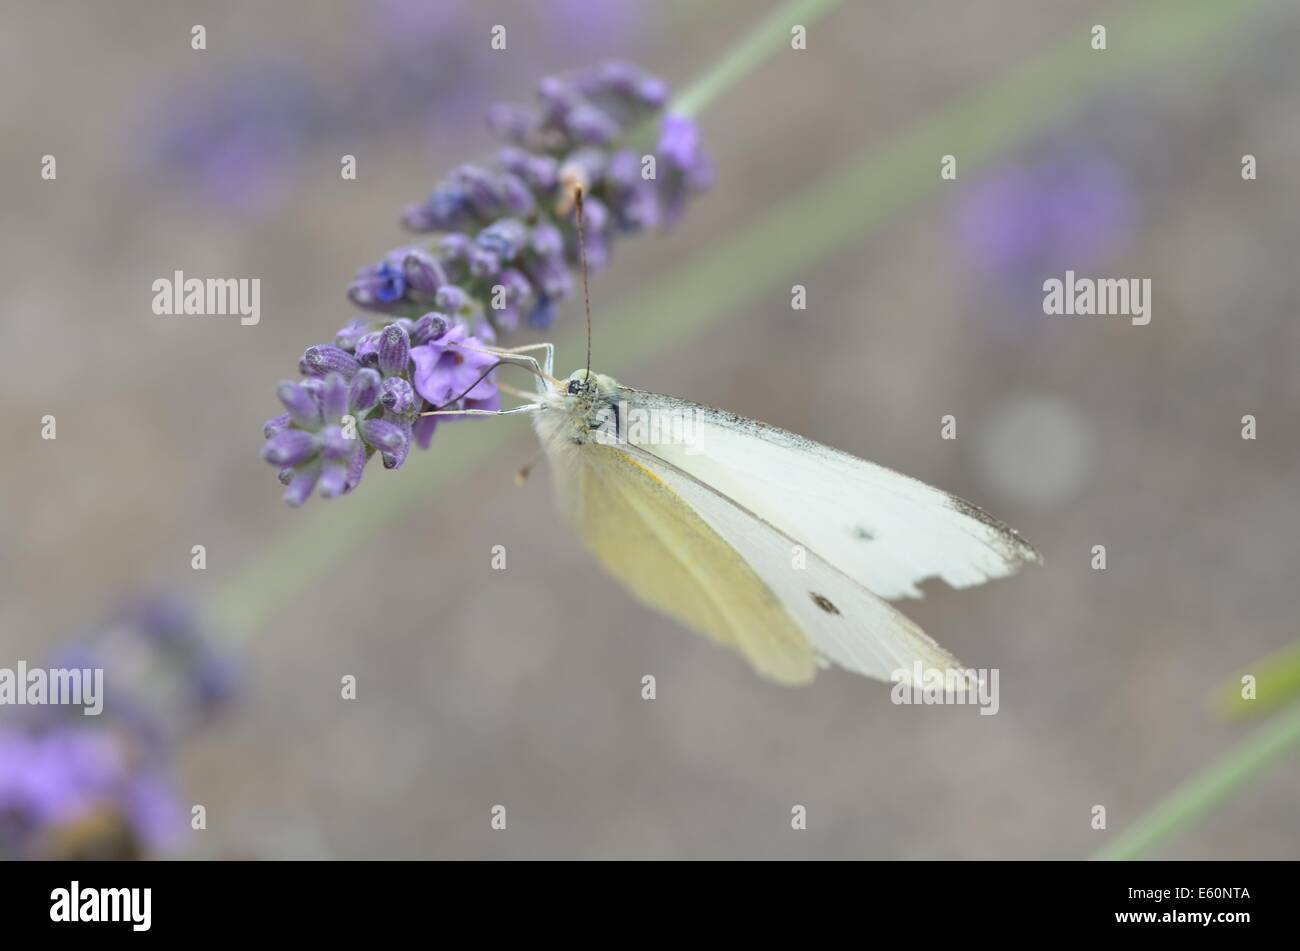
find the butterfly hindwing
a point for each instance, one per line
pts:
(651, 541)
(722, 571)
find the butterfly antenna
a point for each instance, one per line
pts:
(582, 253)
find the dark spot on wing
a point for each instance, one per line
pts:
(824, 603)
(862, 534)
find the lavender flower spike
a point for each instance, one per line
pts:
(498, 249)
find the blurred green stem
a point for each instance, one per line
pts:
(769, 35)
(757, 259)
(1277, 683)
(1199, 795)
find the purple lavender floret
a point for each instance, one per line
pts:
(501, 251)
(520, 210)
(333, 427)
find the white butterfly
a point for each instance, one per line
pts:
(778, 547)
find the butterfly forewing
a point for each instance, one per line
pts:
(886, 530)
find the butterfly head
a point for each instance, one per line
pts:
(585, 398)
(584, 389)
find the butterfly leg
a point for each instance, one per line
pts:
(548, 364)
(513, 411)
(513, 390)
(543, 373)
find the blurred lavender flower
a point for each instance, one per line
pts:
(75, 791)
(232, 142)
(503, 253)
(231, 145)
(415, 71)
(164, 676)
(78, 787)
(689, 169)
(1027, 221)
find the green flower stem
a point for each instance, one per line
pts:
(768, 35)
(789, 239)
(1277, 684)
(1195, 798)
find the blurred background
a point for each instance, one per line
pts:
(523, 688)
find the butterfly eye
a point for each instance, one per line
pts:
(575, 387)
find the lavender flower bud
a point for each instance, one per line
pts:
(298, 401)
(455, 247)
(640, 210)
(417, 218)
(591, 126)
(352, 332)
(429, 327)
(398, 395)
(678, 141)
(394, 350)
(377, 287)
(552, 277)
(330, 359)
(290, 447)
(506, 238)
(630, 83)
(512, 121)
(516, 284)
(364, 395)
(514, 160)
(547, 240)
(451, 298)
(315, 386)
(356, 465)
(448, 207)
(275, 424)
(333, 399)
(333, 480)
(484, 263)
(506, 319)
(543, 315)
(515, 196)
(395, 458)
(368, 350)
(653, 92)
(301, 485)
(595, 215)
(480, 189)
(382, 434)
(623, 169)
(423, 273)
(558, 94)
(332, 444)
